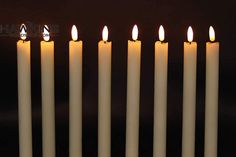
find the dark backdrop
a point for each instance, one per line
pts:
(120, 16)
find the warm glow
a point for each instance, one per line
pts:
(161, 33)
(46, 35)
(211, 34)
(23, 33)
(190, 34)
(135, 32)
(105, 34)
(74, 33)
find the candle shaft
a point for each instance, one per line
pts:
(160, 99)
(189, 99)
(75, 72)
(211, 112)
(48, 99)
(133, 93)
(24, 98)
(104, 99)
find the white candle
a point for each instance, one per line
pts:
(133, 93)
(24, 95)
(212, 81)
(75, 95)
(104, 96)
(160, 96)
(189, 96)
(48, 99)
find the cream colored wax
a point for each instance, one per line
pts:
(24, 98)
(189, 99)
(104, 96)
(48, 99)
(211, 112)
(160, 99)
(133, 96)
(75, 96)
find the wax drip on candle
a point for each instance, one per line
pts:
(23, 32)
(46, 34)
(161, 33)
(190, 34)
(105, 34)
(74, 33)
(211, 34)
(135, 33)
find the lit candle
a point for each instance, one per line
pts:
(75, 68)
(48, 99)
(24, 94)
(104, 95)
(160, 96)
(212, 81)
(189, 96)
(133, 93)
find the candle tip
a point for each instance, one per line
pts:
(46, 35)
(23, 32)
(161, 33)
(211, 34)
(190, 34)
(135, 32)
(105, 34)
(74, 33)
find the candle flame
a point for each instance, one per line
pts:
(190, 34)
(46, 34)
(211, 34)
(135, 32)
(74, 33)
(161, 33)
(23, 33)
(105, 34)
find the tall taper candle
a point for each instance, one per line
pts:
(104, 95)
(212, 81)
(160, 96)
(75, 95)
(24, 95)
(189, 96)
(133, 93)
(48, 99)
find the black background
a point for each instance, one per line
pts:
(120, 16)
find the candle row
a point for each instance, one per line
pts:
(104, 95)
(46, 37)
